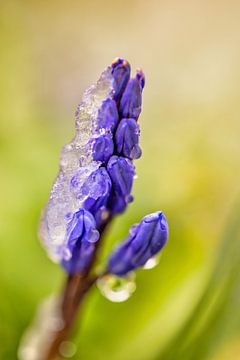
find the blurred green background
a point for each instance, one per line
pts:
(187, 307)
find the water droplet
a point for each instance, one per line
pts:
(116, 288)
(152, 262)
(67, 349)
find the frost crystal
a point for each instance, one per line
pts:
(76, 165)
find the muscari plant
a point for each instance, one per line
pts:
(94, 184)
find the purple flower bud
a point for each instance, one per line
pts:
(97, 188)
(121, 74)
(108, 115)
(81, 238)
(127, 137)
(145, 240)
(131, 101)
(121, 172)
(140, 77)
(102, 148)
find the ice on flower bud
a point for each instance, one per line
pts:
(102, 148)
(145, 240)
(97, 190)
(121, 74)
(131, 101)
(82, 182)
(82, 236)
(96, 115)
(127, 138)
(121, 171)
(108, 115)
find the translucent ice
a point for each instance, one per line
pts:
(76, 157)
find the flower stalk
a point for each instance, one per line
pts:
(76, 287)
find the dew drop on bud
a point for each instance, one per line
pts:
(152, 262)
(116, 288)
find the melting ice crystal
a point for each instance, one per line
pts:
(76, 158)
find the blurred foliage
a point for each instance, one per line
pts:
(187, 307)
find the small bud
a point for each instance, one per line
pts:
(140, 77)
(121, 172)
(131, 101)
(121, 74)
(108, 115)
(81, 238)
(102, 148)
(145, 240)
(97, 190)
(127, 138)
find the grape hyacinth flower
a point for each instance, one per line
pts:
(94, 184)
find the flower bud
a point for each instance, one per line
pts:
(108, 115)
(127, 138)
(81, 238)
(97, 190)
(145, 240)
(102, 148)
(131, 101)
(121, 74)
(121, 172)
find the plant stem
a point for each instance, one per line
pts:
(76, 287)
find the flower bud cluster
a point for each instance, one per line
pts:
(119, 144)
(87, 194)
(108, 189)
